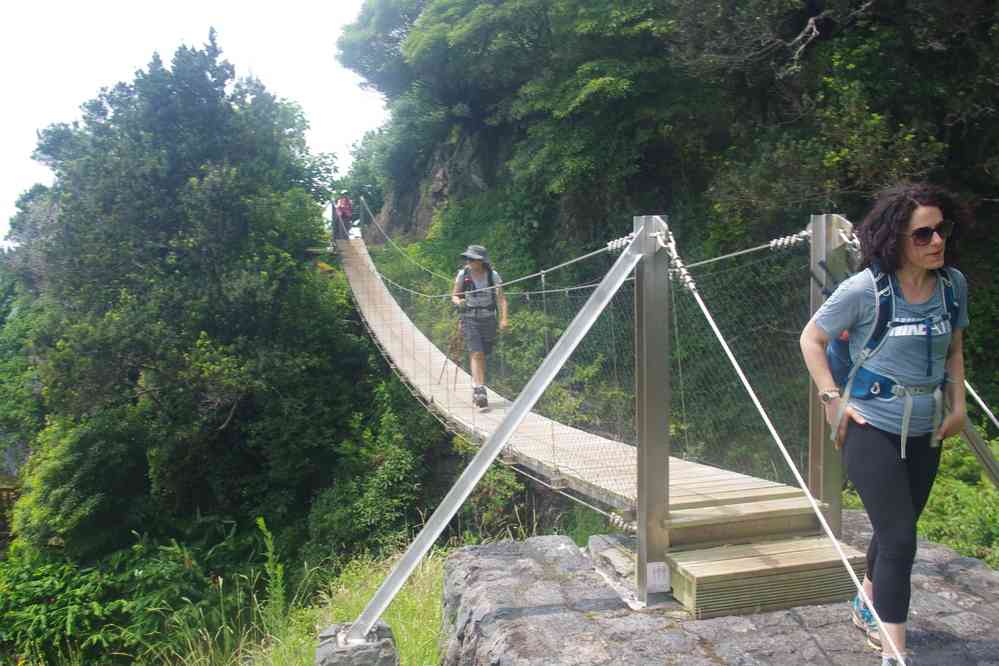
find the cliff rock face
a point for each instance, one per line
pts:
(461, 168)
(541, 601)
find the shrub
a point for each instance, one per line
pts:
(114, 609)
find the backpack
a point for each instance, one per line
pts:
(468, 284)
(838, 350)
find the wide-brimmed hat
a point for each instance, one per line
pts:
(476, 252)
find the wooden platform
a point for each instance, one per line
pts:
(766, 575)
(708, 506)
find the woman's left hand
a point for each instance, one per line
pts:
(952, 424)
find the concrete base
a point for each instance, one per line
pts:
(614, 557)
(378, 650)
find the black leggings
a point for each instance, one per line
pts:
(894, 492)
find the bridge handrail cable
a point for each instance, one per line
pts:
(399, 249)
(610, 246)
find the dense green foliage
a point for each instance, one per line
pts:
(51, 608)
(737, 118)
(179, 326)
(179, 371)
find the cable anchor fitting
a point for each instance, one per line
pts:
(619, 244)
(790, 241)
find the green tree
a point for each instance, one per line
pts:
(372, 45)
(191, 360)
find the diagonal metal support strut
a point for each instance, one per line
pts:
(477, 468)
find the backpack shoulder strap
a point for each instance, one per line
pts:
(884, 312)
(884, 308)
(491, 283)
(467, 280)
(949, 294)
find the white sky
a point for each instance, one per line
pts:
(57, 54)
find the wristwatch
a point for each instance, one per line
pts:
(828, 395)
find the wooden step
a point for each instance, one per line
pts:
(768, 575)
(741, 522)
(686, 497)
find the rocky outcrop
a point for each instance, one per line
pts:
(542, 601)
(457, 169)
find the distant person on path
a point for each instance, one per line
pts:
(344, 213)
(887, 405)
(478, 291)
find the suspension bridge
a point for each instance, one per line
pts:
(595, 467)
(645, 407)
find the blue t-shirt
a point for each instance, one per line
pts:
(902, 356)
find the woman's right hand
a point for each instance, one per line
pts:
(832, 411)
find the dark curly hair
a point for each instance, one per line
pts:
(884, 226)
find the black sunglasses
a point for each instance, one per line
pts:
(923, 235)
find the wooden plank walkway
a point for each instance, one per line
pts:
(593, 466)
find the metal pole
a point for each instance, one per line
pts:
(981, 403)
(477, 468)
(652, 398)
(825, 468)
(981, 449)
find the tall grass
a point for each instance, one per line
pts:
(263, 637)
(244, 628)
(414, 615)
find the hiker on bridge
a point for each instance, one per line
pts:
(903, 318)
(344, 211)
(478, 292)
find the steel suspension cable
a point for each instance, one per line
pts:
(564, 264)
(399, 249)
(776, 243)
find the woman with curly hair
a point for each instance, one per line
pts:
(889, 417)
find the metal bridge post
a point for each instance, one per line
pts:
(825, 467)
(652, 406)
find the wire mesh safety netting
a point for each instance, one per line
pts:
(759, 302)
